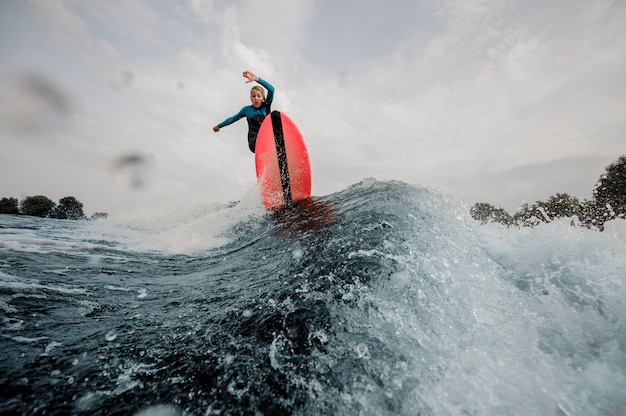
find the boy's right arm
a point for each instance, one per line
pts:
(230, 120)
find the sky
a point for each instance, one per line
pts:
(499, 101)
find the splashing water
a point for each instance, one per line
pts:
(382, 299)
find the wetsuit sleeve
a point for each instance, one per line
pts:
(231, 120)
(270, 90)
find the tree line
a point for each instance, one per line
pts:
(608, 203)
(68, 208)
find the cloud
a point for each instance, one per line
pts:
(204, 10)
(510, 188)
(35, 104)
(60, 21)
(435, 92)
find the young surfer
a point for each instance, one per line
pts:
(255, 113)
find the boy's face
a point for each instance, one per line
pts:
(256, 98)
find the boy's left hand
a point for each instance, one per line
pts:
(251, 77)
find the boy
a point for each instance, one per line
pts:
(255, 113)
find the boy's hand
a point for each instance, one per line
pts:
(251, 77)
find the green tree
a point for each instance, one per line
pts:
(485, 213)
(528, 216)
(37, 206)
(9, 206)
(98, 215)
(69, 208)
(558, 206)
(609, 202)
(481, 211)
(610, 191)
(588, 215)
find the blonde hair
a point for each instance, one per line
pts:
(256, 87)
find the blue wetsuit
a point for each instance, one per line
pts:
(255, 116)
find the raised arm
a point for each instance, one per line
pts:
(270, 89)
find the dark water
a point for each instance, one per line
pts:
(382, 299)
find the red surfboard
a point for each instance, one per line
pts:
(282, 163)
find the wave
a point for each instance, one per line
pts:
(384, 298)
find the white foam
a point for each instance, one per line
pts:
(178, 230)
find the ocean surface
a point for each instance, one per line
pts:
(382, 299)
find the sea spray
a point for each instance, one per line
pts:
(384, 298)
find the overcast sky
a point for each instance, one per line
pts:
(499, 101)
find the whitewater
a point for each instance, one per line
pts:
(382, 299)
